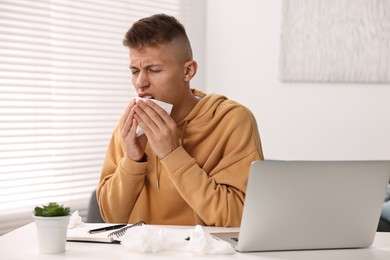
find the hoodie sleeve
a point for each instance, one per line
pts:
(120, 183)
(217, 194)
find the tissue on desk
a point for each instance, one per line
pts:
(202, 243)
(153, 239)
(75, 220)
(166, 106)
(148, 239)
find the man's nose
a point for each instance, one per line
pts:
(142, 80)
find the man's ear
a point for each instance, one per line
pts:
(190, 69)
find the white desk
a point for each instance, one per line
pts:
(22, 244)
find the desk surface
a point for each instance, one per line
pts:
(22, 244)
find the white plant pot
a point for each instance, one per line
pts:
(52, 233)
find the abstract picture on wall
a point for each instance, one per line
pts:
(335, 41)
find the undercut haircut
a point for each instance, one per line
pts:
(155, 30)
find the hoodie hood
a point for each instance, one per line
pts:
(205, 109)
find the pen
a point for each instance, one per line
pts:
(103, 229)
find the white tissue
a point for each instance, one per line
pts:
(166, 106)
(153, 239)
(75, 220)
(202, 243)
(147, 239)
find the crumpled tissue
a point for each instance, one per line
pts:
(202, 243)
(75, 220)
(148, 239)
(166, 106)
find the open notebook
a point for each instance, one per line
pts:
(82, 234)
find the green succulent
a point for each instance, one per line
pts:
(51, 210)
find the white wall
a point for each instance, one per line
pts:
(194, 19)
(296, 121)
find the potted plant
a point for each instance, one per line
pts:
(52, 225)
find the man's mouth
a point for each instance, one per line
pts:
(146, 96)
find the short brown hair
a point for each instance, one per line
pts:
(154, 30)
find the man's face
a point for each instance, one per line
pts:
(156, 72)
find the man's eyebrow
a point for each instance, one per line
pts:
(145, 67)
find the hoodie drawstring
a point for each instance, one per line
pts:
(158, 173)
(182, 132)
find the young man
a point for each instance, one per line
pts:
(190, 167)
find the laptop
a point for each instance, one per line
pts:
(301, 205)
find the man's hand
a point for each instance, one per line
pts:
(160, 129)
(135, 147)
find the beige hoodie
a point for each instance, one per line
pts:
(201, 182)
